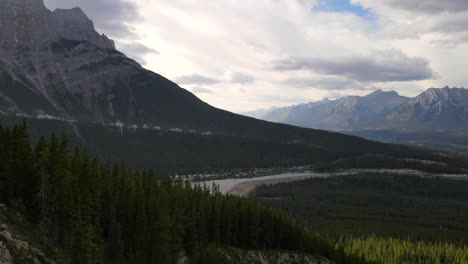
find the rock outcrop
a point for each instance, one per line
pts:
(14, 249)
(239, 256)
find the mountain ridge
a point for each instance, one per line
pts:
(433, 108)
(439, 107)
(340, 113)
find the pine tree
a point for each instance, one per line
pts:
(40, 168)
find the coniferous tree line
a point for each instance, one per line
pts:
(401, 251)
(107, 213)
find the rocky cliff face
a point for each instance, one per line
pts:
(239, 256)
(29, 23)
(15, 248)
(54, 64)
(46, 58)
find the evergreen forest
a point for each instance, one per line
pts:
(99, 212)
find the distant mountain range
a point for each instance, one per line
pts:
(435, 109)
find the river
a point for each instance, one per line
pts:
(242, 186)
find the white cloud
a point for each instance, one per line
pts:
(196, 79)
(241, 78)
(200, 90)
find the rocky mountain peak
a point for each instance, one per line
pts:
(73, 14)
(376, 92)
(441, 95)
(29, 23)
(381, 93)
(75, 25)
(446, 106)
(30, 4)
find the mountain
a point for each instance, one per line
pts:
(434, 109)
(445, 108)
(341, 114)
(73, 73)
(437, 118)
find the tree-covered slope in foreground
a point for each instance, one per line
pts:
(100, 213)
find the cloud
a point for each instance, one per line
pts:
(454, 24)
(196, 79)
(240, 90)
(233, 78)
(112, 17)
(136, 50)
(137, 47)
(389, 66)
(451, 43)
(407, 19)
(420, 6)
(200, 90)
(330, 83)
(242, 78)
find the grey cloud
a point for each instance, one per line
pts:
(331, 83)
(427, 6)
(136, 50)
(454, 28)
(196, 79)
(243, 79)
(452, 25)
(240, 90)
(391, 66)
(113, 17)
(201, 90)
(451, 43)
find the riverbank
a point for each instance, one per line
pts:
(244, 188)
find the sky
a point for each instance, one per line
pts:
(242, 55)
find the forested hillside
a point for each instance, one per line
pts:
(106, 213)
